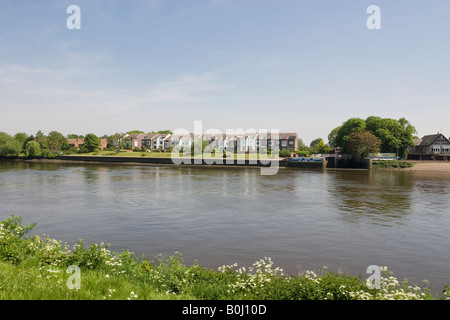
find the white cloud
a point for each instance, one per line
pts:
(38, 98)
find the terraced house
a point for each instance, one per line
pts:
(240, 142)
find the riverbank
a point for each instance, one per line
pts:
(418, 167)
(41, 268)
(423, 168)
(430, 166)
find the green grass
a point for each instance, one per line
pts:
(35, 268)
(167, 154)
(392, 164)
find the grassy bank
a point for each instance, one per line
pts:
(388, 164)
(36, 268)
(167, 154)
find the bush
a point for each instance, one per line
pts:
(392, 164)
(304, 153)
(285, 153)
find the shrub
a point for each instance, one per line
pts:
(392, 164)
(285, 153)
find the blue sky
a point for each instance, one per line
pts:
(293, 65)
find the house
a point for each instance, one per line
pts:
(238, 141)
(280, 141)
(430, 147)
(136, 140)
(77, 143)
(185, 141)
(103, 143)
(254, 141)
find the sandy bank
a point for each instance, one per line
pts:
(431, 166)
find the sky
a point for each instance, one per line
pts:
(300, 66)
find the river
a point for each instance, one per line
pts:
(346, 220)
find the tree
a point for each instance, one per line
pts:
(73, 136)
(161, 132)
(347, 128)
(33, 149)
(332, 137)
(117, 140)
(319, 146)
(91, 143)
(22, 137)
(301, 144)
(42, 139)
(362, 143)
(315, 142)
(165, 132)
(9, 146)
(395, 135)
(56, 142)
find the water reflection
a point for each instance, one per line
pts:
(380, 198)
(226, 215)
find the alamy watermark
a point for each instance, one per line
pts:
(73, 22)
(374, 20)
(74, 281)
(374, 280)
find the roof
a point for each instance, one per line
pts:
(429, 139)
(75, 141)
(135, 135)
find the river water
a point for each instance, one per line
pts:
(346, 220)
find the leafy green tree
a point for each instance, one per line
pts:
(165, 132)
(161, 132)
(319, 146)
(42, 139)
(315, 142)
(91, 143)
(33, 149)
(22, 137)
(395, 135)
(332, 137)
(9, 146)
(362, 143)
(117, 140)
(347, 128)
(4, 137)
(74, 136)
(301, 144)
(56, 142)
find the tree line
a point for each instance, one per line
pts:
(55, 143)
(360, 137)
(38, 145)
(355, 136)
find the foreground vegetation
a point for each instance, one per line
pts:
(392, 164)
(38, 268)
